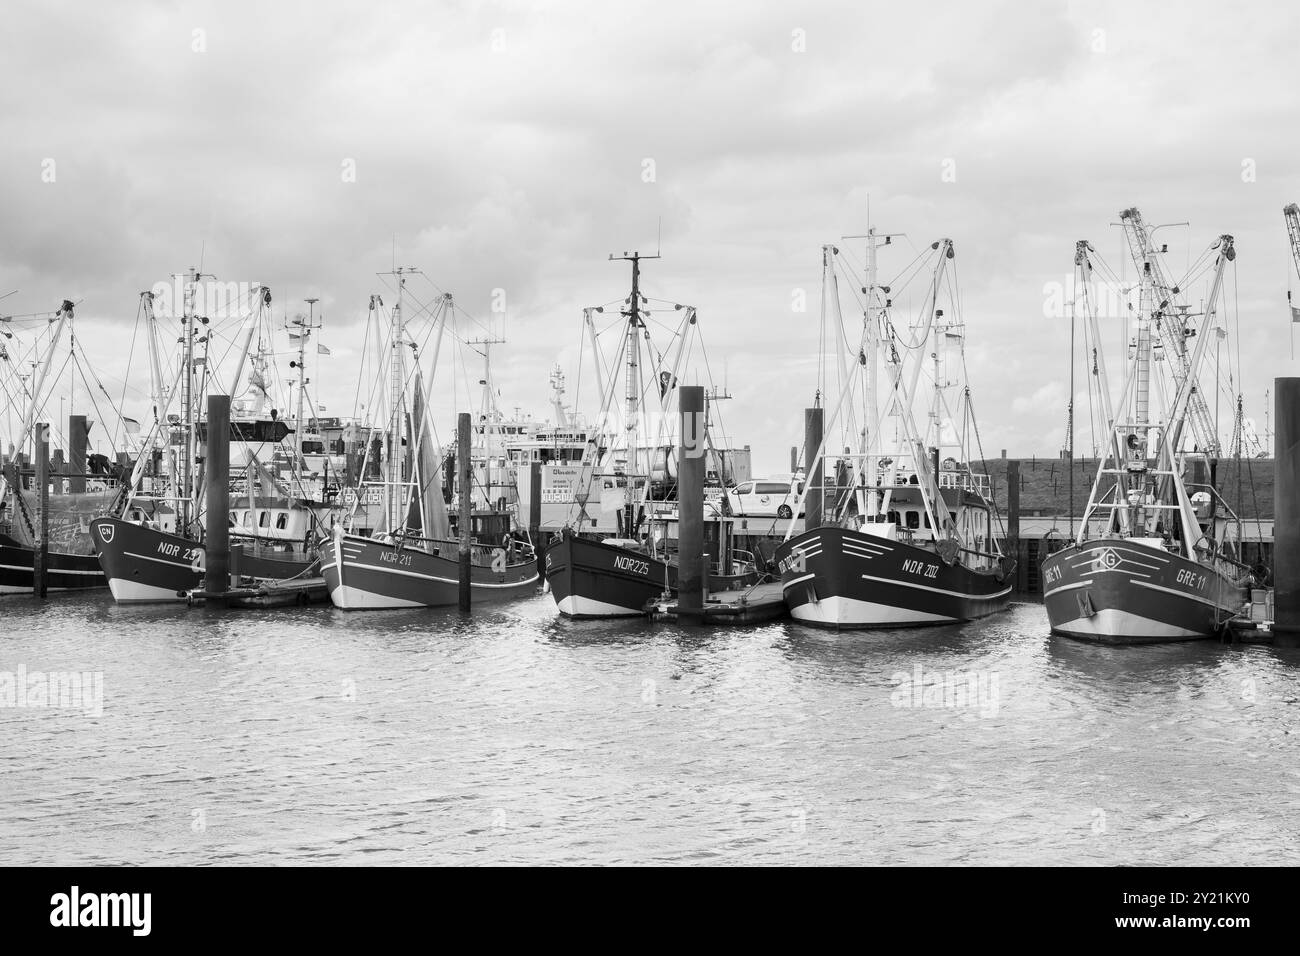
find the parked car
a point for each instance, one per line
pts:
(774, 497)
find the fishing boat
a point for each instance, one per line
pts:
(70, 563)
(151, 545)
(146, 564)
(604, 575)
(412, 559)
(77, 490)
(900, 538)
(1148, 562)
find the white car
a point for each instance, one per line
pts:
(773, 497)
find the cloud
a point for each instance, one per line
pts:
(504, 147)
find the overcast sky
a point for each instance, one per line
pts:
(504, 146)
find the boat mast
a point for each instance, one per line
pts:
(595, 351)
(38, 384)
(397, 392)
(1142, 355)
(187, 400)
(871, 447)
(632, 381)
(557, 398)
(489, 412)
(927, 477)
(304, 332)
(871, 346)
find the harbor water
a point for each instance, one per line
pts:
(315, 736)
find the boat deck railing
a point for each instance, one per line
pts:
(479, 552)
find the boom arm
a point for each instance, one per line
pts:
(1174, 333)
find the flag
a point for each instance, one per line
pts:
(1295, 314)
(294, 336)
(321, 350)
(132, 426)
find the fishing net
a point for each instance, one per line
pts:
(69, 519)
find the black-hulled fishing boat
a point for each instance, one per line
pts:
(84, 488)
(598, 576)
(1161, 568)
(901, 540)
(591, 578)
(373, 573)
(146, 564)
(412, 559)
(64, 570)
(151, 547)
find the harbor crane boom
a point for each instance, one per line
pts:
(1291, 213)
(1173, 330)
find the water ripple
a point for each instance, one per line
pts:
(313, 736)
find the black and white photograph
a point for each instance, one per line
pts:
(676, 435)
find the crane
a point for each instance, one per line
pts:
(1170, 320)
(1292, 215)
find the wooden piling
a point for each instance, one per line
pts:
(1013, 524)
(466, 475)
(816, 495)
(535, 503)
(1286, 513)
(692, 572)
(216, 537)
(41, 553)
(78, 435)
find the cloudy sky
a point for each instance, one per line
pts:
(504, 146)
